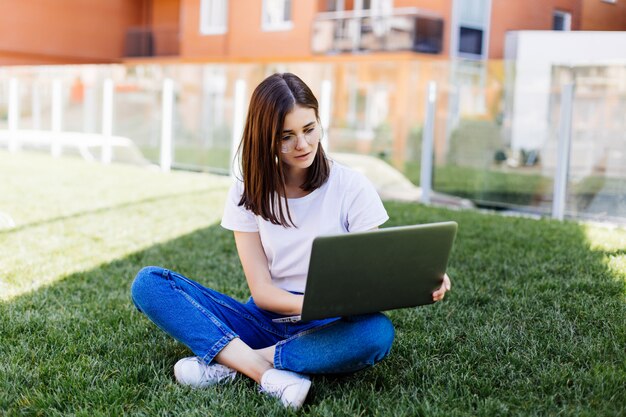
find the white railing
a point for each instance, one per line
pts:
(146, 118)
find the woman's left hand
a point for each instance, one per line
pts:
(441, 292)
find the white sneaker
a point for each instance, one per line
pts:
(289, 387)
(195, 372)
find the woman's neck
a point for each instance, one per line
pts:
(294, 179)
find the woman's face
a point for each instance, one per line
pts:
(300, 137)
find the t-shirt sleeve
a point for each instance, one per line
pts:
(365, 208)
(236, 217)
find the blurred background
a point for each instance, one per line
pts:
(524, 100)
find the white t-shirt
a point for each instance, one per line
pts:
(347, 202)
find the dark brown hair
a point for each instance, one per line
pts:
(262, 169)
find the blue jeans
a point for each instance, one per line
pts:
(206, 321)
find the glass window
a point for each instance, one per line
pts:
(473, 12)
(561, 20)
(335, 5)
(470, 28)
(213, 17)
(470, 41)
(277, 15)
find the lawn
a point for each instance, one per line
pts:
(535, 324)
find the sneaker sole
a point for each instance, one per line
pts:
(302, 393)
(179, 380)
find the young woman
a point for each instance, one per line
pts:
(289, 194)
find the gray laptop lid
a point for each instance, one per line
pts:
(366, 272)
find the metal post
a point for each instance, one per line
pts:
(563, 152)
(356, 25)
(36, 105)
(325, 103)
(14, 114)
(167, 111)
(238, 122)
(107, 121)
(89, 110)
(57, 118)
(428, 135)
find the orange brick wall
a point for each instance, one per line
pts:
(599, 15)
(508, 15)
(65, 31)
(249, 39)
(192, 43)
(165, 23)
(245, 37)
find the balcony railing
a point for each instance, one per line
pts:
(149, 41)
(403, 29)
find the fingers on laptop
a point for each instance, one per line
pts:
(441, 292)
(446, 282)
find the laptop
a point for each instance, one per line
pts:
(377, 270)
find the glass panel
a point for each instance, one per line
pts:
(4, 99)
(473, 12)
(287, 11)
(597, 172)
(203, 117)
(495, 129)
(137, 109)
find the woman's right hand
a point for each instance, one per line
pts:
(445, 287)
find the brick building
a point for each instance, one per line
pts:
(88, 31)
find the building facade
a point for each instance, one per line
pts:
(84, 31)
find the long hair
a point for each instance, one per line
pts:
(261, 159)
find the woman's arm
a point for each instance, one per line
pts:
(266, 295)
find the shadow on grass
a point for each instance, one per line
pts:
(535, 324)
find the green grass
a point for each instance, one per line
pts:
(535, 323)
(485, 185)
(214, 158)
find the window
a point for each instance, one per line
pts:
(561, 20)
(470, 28)
(373, 5)
(276, 15)
(335, 5)
(213, 17)
(470, 41)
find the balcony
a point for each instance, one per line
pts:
(145, 41)
(403, 29)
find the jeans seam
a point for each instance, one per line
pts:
(221, 343)
(278, 363)
(225, 305)
(206, 314)
(217, 347)
(166, 275)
